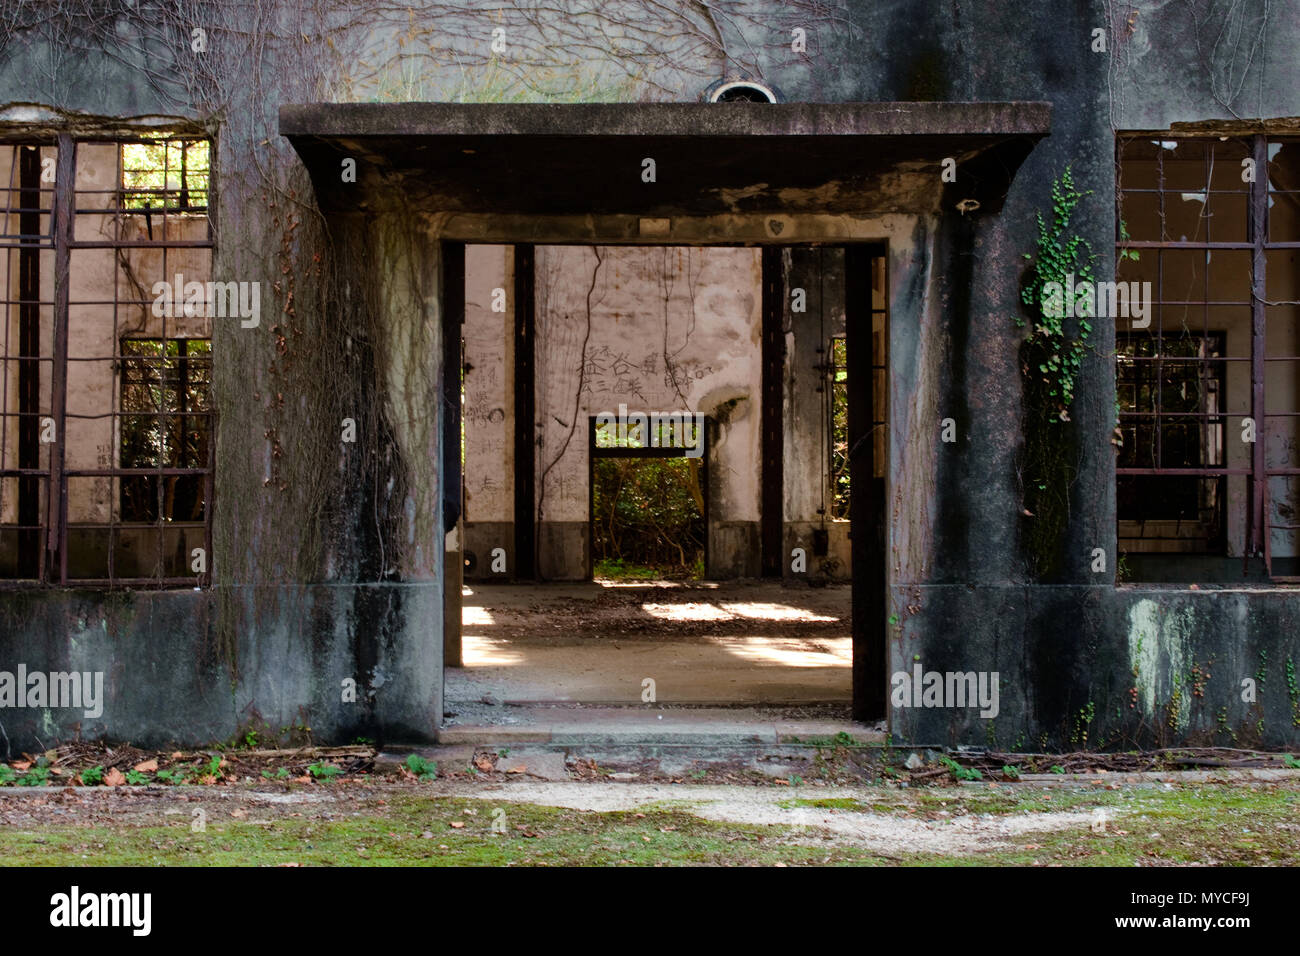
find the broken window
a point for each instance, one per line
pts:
(164, 428)
(112, 377)
(1173, 430)
(165, 174)
(1208, 381)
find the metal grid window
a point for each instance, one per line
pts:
(108, 339)
(1208, 383)
(838, 405)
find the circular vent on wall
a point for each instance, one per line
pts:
(741, 90)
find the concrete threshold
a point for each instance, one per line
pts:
(654, 726)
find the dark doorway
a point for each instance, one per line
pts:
(855, 363)
(865, 349)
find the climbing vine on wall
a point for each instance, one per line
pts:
(1058, 295)
(1058, 287)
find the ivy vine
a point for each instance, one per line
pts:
(1058, 293)
(1060, 284)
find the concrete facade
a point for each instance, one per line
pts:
(328, 562)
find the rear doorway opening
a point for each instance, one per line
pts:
(649, 504)
(626, 563)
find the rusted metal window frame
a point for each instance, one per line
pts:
(1258, 528)
(53, 569)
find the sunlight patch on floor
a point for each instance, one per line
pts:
(688, 612)
(477, 651)
(836, 652)
(471, 616)
(760, 611)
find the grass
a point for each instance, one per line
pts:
(1241, 823)
(616, 569)
(831, 803)
(394, 835)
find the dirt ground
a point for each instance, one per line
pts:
(736, 643)
(559, 613)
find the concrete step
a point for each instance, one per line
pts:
(584, 726)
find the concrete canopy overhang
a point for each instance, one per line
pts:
(567, 159)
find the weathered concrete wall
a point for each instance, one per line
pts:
(165, 682)
(1081, 667)
(327, 554)
(961, 597)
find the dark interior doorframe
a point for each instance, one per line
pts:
(453, 488)
(525, 416)
(866, 492)
(772, 418)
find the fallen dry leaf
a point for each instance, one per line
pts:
(114, 778)
(146, 766)
(457, 824)
(22, 765)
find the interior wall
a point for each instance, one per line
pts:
(626, 366)
(814, 280)
(657, 329)
(489, 412)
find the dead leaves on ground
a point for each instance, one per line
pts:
(91, 763)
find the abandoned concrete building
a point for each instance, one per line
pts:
(367, 367)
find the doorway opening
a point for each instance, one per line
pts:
(649, 498)
(647, 564)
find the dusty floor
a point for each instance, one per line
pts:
(700, 643)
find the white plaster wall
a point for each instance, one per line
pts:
(489, 385)
(671, 329)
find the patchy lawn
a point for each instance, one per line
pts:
(456, 823)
